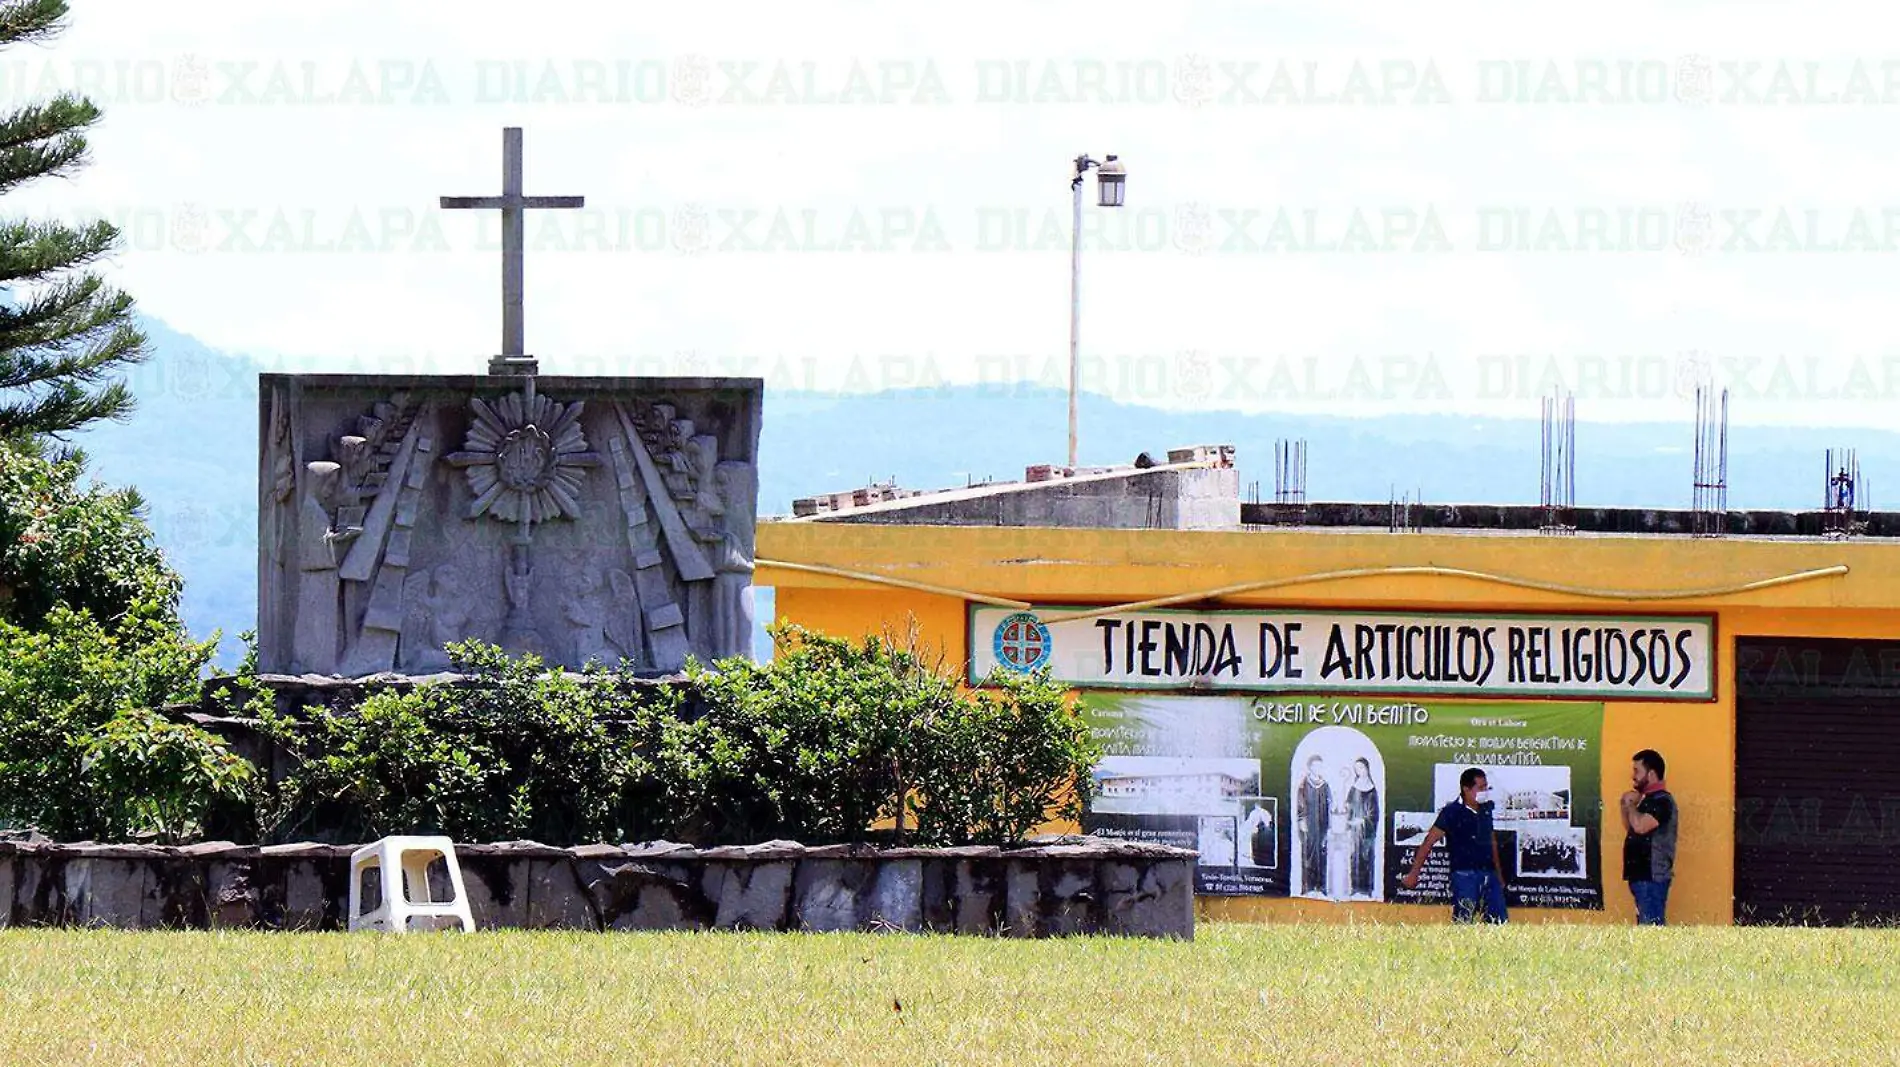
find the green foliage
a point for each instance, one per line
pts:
(384, 768)
(81, 753)
(1013, 757)
(87, 548)
(832, 736)
(149, 774)
(516, 753)
(819, 745)
(63, 333)
(91, 646)
(814, 745)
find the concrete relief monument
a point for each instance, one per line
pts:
(581, 519)
(597, 518)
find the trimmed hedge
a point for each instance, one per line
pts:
(820, 745)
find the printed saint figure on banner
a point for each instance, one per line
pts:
(1312, 809)
(1362, 807)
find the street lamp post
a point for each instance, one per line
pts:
(1110, 176)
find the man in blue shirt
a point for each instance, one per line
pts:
(1477, 876)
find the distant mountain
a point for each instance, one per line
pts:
(192, 450)
(940, 437)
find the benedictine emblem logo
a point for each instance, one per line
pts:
(1022, 642)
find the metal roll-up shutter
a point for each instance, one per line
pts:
(1817, 781)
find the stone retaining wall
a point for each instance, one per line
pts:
(1054, 887)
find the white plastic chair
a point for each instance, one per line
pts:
(405, 860)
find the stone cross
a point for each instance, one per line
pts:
(514, 358)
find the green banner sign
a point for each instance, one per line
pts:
(1329, 798)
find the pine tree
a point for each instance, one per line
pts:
(64, 333)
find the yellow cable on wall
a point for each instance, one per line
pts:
(1317, 577)
(1455, 572)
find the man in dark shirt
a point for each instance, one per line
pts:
(1477, 876)
(1649, 848)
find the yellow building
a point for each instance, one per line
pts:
(1785, 759)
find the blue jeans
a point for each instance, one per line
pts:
(1651, 899)
(1477, 895)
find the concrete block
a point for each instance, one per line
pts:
(826, 892)
(1068, 899)
(231, 896)
(895, 899)
(114, 893)
(1167, 907)
(1022, 900)
(308, 902)
(753, 896)
(497, 889)
(979, 896)
(1119, 886)
(37, 897)
(658, 907)
(939, 893)
(556, 900)
(180, 896)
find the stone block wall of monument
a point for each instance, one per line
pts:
(577, 518)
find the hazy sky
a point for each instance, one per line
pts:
(1336, 207)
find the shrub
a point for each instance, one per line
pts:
(832, 736)
(826, 740)
(90, 646)
(1009, 759)
(81, 753)
(165, 778)
(381, 768)
(815, 745)
(515, 753)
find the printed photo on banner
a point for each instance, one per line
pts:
(1410, 827)
(1173, 785)
(1520, 794)
(1259, 832)
(1217, 840)
(1338, 782)
(1558, 850)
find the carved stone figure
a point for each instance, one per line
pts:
(737, 485)
(283, 459)
(437, 612)
(319, 546)
(585, 613)
(518, 631)
(387, 465)
(623, 626)
(703, 456)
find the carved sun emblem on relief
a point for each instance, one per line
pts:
(526, 460)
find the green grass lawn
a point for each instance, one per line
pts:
(1341, 996)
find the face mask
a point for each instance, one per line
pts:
(1484, 796)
